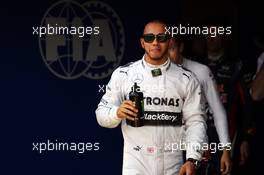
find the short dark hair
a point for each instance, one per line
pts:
(179, 38)
(157, 21)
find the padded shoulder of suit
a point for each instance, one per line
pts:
(182, 72)
(123, 70)
(200, 70)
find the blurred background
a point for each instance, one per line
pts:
(40, 100)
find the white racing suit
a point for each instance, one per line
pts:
(213, 103)
(171, 107)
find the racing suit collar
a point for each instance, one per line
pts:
(164, 67)
(183, 63)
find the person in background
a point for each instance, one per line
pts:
(213, 106)
(232, 83)
(257, 87)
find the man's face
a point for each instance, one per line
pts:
(214, 44)
(174, 51)
(155, 50)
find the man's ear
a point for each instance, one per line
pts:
(142, 43)
(181, 47)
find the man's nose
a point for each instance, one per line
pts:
(155, 42)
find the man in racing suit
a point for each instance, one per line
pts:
(172, 106)
(213, 107)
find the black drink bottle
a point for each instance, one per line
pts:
(136, 96)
